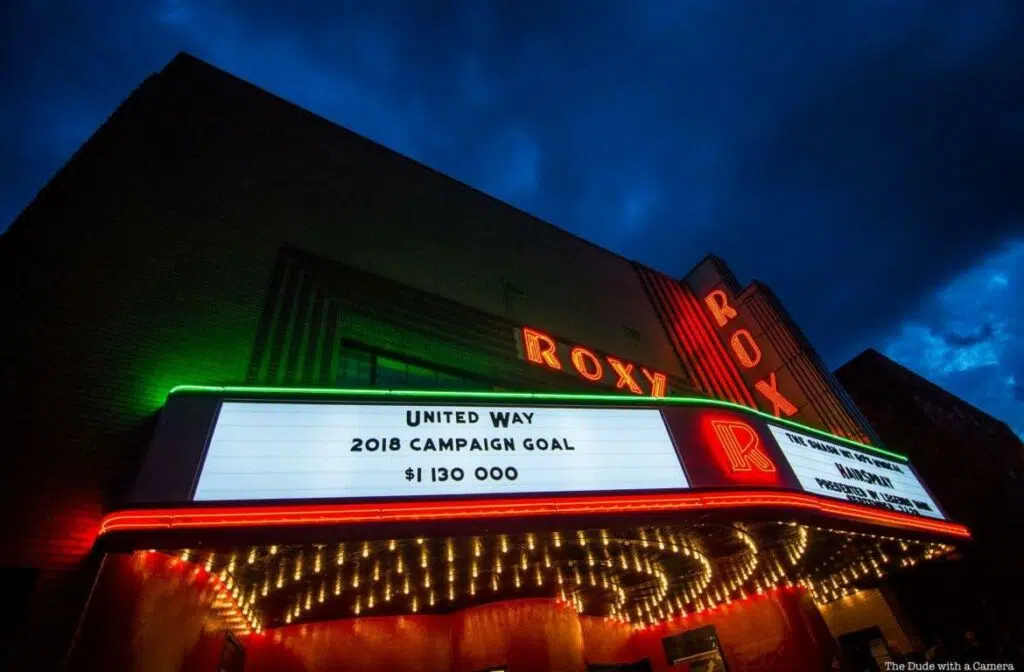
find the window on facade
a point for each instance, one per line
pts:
(355, 368)
(360, 368)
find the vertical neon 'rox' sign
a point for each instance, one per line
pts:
(538, 348)
(747, 352)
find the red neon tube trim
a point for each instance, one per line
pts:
(335, 514)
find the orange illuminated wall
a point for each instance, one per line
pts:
(150, 612)
(742, 346)
(781, 631)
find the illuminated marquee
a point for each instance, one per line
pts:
(539, 348)
(258, 449)
(748, 353)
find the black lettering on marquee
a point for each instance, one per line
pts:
(864, 476)
(506, 418)
(415, 418)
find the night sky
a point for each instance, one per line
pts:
(865, 159)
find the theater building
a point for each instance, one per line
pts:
(280, 399)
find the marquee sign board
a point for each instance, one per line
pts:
(833, 470)
(268, 451)
(209, 449)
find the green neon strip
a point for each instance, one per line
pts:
(523, 396)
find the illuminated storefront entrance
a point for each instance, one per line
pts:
(405, 530)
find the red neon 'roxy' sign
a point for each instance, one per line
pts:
(539, 348)
(747, 352)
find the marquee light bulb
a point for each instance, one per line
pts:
(504, 543)
(341, 554)
(557, 539)
(530, 541)
(450, 547)
(366, 549)
(318, 562)
(252, 556)
(391, 544)
(297, 574)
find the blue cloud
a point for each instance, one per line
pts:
(857, 157)
(982, 366)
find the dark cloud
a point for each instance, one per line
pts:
(965, 340)
(855, 156)
(943, 341)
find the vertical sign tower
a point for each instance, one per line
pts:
(741, 345)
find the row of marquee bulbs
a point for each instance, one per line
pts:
(229, 600)
(598, 575)
(660, 540)
(836, 586)
(840, 584)
(597, 579)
